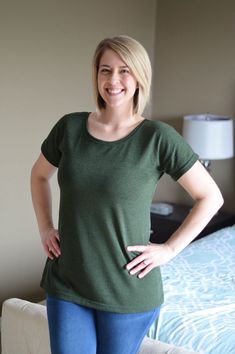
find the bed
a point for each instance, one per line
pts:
(199, 285)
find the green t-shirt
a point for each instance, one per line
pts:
(106, 190)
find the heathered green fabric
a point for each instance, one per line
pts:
(106, 190)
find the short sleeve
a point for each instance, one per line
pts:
(51, 147)
(176, 155)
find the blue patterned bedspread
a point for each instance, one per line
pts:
(199, 285)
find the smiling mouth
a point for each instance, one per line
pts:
(114, 92)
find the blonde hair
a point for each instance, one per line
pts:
(136, 58)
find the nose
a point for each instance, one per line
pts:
(114, 77)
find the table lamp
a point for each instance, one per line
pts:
(210, 136)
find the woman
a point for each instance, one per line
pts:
(102, 276)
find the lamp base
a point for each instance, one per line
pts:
(206, 164)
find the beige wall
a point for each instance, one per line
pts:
(194, 73)
(46, 50)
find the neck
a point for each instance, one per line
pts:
(117, 116)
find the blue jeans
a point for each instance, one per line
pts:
(75, 329)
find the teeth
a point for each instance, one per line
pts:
(115, 92)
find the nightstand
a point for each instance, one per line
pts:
(163, 226)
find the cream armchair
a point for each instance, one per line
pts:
(25, 331)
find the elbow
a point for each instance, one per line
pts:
(213, 200)
(36, 176)
(34, 173)
(220, 200)
(217, 200)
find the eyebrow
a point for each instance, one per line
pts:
(122, 66)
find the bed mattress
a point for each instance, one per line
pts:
(199, 308)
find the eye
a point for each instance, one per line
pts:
(125, 71)
(104, 71)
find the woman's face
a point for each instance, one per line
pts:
(116, 83)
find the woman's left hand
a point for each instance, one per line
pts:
(152, 256)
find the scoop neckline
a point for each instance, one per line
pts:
(97, 140)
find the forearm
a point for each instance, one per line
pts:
(194, 223)
(42, 201)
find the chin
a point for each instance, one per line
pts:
(118, 103)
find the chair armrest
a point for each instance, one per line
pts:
(24, 328)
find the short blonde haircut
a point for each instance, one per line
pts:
(136, 58)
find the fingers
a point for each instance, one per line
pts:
(50, 240)
(152, 256)
(137, 248)
(137, 267)
(57, 235)
(140, 263)
(146, 261)
(53, 248)
(146, 271)
(48, 252)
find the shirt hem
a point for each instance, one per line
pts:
(100, 306)
(186, 168)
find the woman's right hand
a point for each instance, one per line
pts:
(50, 239)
